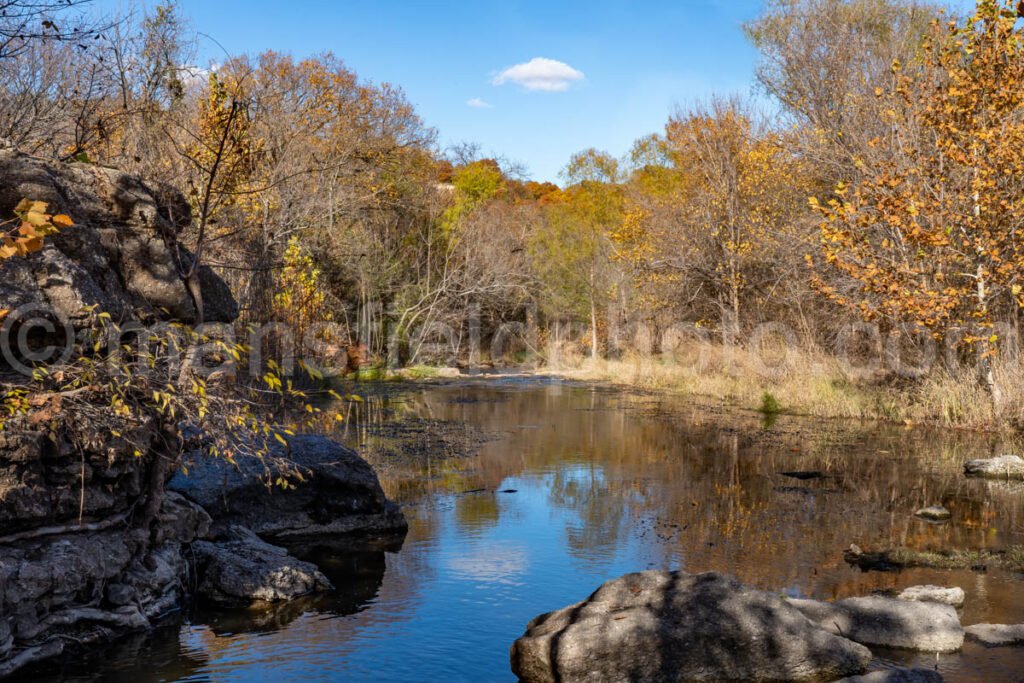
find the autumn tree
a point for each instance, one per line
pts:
(930, 236)
(572, 253)
(712, 209)
(822, 60)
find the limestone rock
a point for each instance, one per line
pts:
(877, 620)
(994, 635)
(243, 568)
(340, 495)
(672, 626)
(946, 596)
(1003, 467)
(119, 254)
(934, 513)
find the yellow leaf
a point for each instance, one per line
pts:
(37, 219)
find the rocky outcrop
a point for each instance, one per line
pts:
(77, 588)
(120, 254)
(945, 596)
(995, 635)
(671, 626)
(54, 469)
(340, 494)
(1003, 467)
(877, 620)
(241, 568)
(91, 543)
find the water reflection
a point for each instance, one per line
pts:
(524, 496)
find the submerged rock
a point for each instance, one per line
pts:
(243, 568)
(340, 494)
(672, 626)
(934, 513)
(946, 596)
(1003, 467)
(897, 676)
(877, 620)
(994, 635)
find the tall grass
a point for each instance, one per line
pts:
(806, 382)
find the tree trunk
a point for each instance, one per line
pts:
(987, 349)
(196, 292)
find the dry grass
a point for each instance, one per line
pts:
(809, 383)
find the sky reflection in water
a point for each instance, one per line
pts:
(604, 483)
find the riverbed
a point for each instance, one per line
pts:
(525, 494)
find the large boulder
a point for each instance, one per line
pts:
(1003, 467)
(120, 254)
(878, 620)
(672, 626)
(339, 495)
(241, 568)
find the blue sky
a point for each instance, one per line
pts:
(637, 59)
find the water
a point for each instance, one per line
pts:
(574, 485)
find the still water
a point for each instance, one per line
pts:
(565, 486)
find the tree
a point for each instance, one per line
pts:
(822, 59)
(571, 253)
(930, 236)
(713, 205)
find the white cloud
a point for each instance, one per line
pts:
(540, 73)
(478, 103)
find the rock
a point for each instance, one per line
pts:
(42, 470)
(897, 676)
(1003, 467)
(877, 620)
(994, 635)
(672, 626)
(934, 513)
(119, 254)
(243, 568)
(340, 494)
(946, 596)
(119, 595)
(90, 586)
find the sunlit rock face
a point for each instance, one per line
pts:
(672, 626)
(119, 256)
(889, 622)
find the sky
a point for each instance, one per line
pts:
(532, 82)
